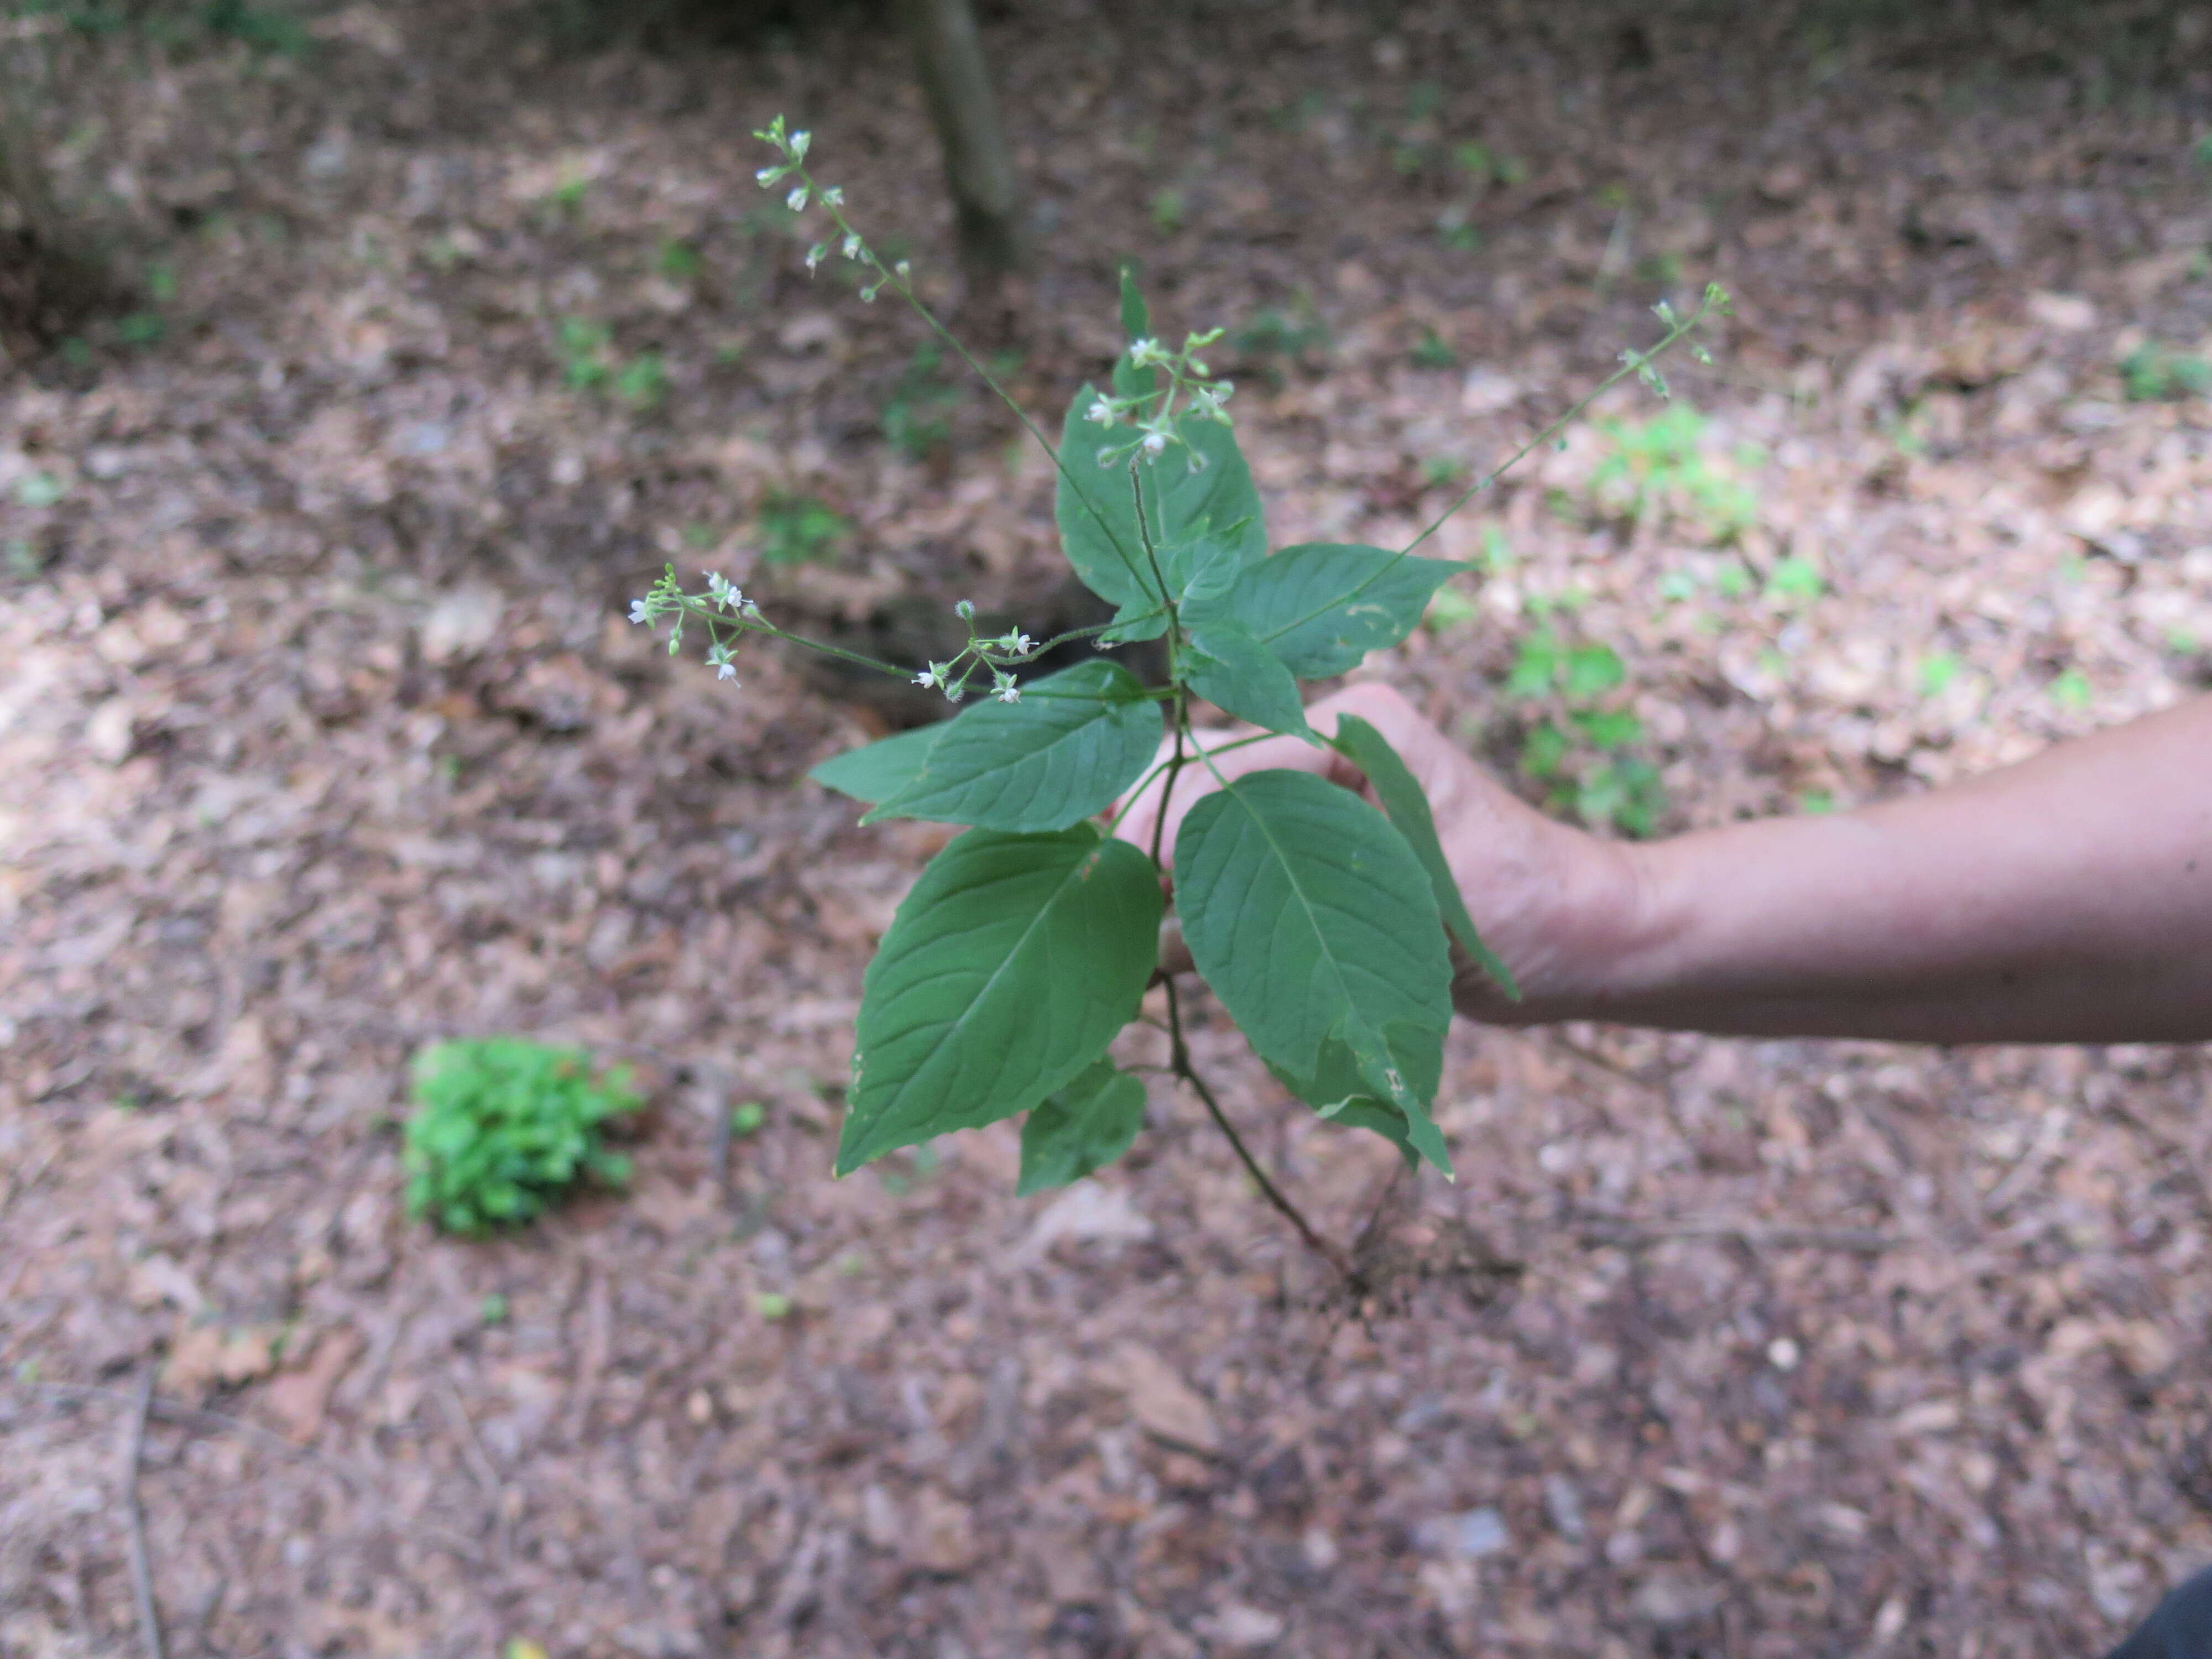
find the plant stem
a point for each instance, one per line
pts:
(904, 289)
(1178, 1050)
(1671, 338)
(1179, 1063)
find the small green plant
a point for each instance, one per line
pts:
(2071, 691)
(566, 198)
(800, 529)
(493, 1309)
(503, 1127)
(1432, 350)
(1021, 953)
(259, 27)
(746, 1117)
(586, 347)
(1274, 336)
(589, 363)
(1795, 578)
(1579, 752)
(917, 416)
(677, 260)
(1658, 468)
(2152, 373)
(1938, 670)
(1455, 232)
(642, 382)
(1485, 166)
(37, 489)
(1170, 207)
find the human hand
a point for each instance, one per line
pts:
(1550, 900)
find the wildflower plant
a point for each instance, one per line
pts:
(1324, 925)
(504, 1127)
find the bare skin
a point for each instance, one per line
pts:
(2067, 899)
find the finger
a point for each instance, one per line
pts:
(1174, 954)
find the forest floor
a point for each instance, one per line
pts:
(323, 737)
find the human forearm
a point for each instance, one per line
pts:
(2066, 899)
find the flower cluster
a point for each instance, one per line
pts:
(723, 605)
(994, 654)
(792, 147)
(1169, 378)
(727, 616)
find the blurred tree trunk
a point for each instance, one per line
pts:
(52, 274)
(979, 170)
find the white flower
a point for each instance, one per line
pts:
(904, 268)
(641, 610)
(931, 676)
(727, 672)
(834, 196)
(815, 254)
(768, 176)
(1008, 693)
(1156, 444)
(965, 611)
(797, 199)
(800, 140)
(1017, 644)
(1142, 352)
(1101, 412)
(852, 245)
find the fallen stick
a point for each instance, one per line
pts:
(142, 1571)
(1633, 1235)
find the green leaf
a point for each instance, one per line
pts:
(1609, 728)
(1321, 607)
(1538, 662)
(1097, 516)
(1076, 740)
(1136, 318)
(1199, 573)
(1234, 672)
(1006, 971)
(1383, 1120)
(878, 771)
(1145, 619)
(1340, 1094)
(1311, 919)
(1594, 668)
(1082, 1127)
(1407, 807)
